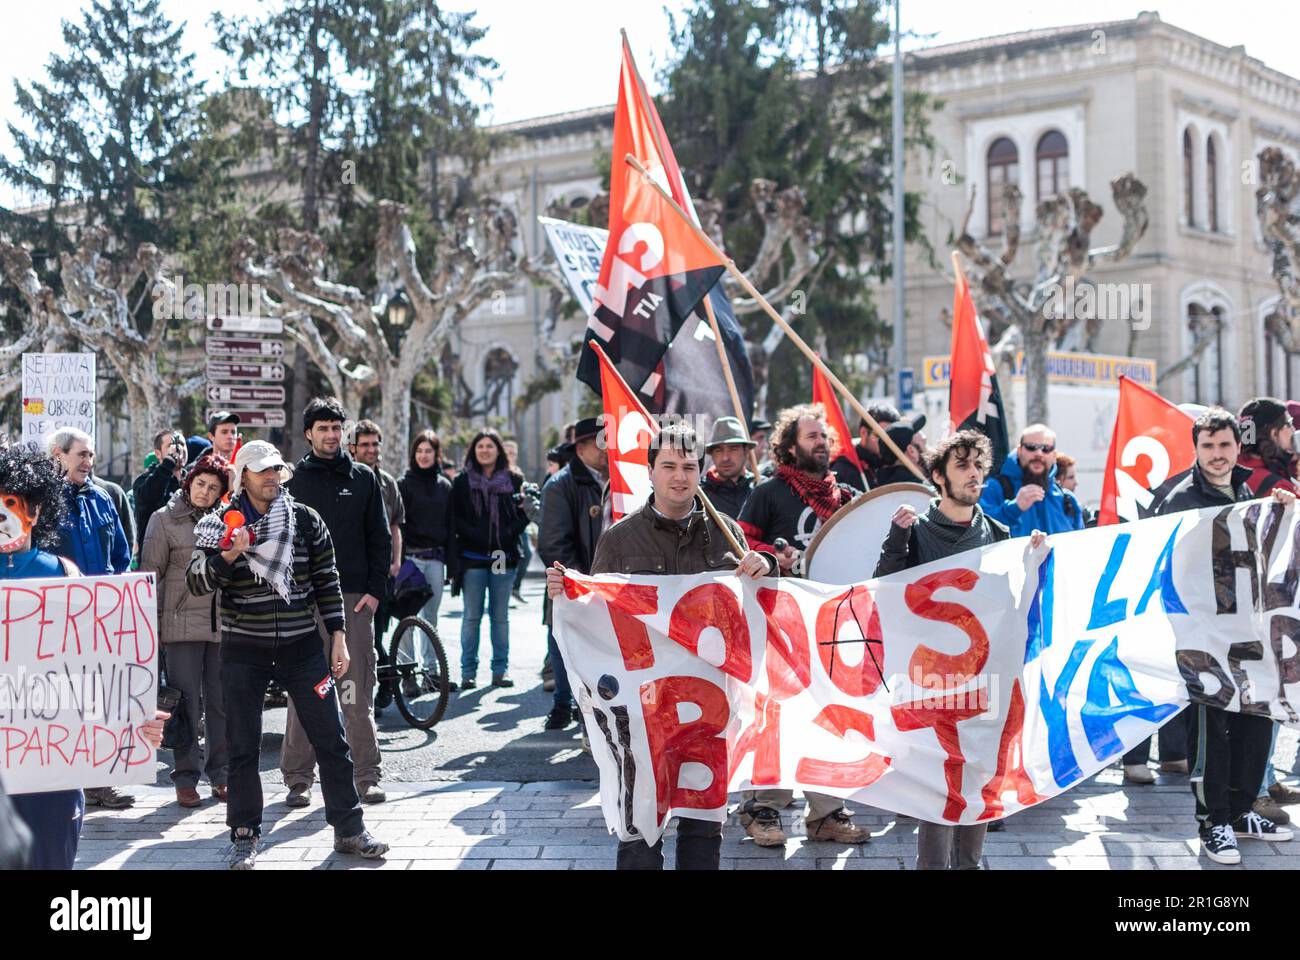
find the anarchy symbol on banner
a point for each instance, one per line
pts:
(835, 640)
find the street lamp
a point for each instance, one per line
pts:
(399, 307)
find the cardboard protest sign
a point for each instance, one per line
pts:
(960, 691)
(78, 679)
(58, 391)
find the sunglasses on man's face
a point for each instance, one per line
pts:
(1039, 447)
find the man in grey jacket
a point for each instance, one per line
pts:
(953, 524)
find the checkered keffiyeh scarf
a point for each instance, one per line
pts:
(271, 557)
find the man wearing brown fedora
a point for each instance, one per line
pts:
(727, 483)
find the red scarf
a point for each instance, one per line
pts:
(822, 494)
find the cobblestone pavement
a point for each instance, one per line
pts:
(557, 825)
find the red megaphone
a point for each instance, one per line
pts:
(234, 520)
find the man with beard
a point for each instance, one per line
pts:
(791, 506)
(728, 484)
(1025, 495)
(954, 523)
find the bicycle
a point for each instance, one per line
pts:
(416, 672)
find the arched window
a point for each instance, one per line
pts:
(1053, 160)
(1003, 169)
(1188, 211)
(1211, 186)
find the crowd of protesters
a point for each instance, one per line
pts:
(254, 592)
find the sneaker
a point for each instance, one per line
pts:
(501, 680)
(1138, 773)
(1284, 794)
(1174, 766)
(837, 827)
(468, 683)
(548, 685)
(243, 849)
(299, 795)
(1220, 845)
(1270, 809)
(372, 793)
(1254, 827)
(188, 797)
(362, 845)
(764, 826)
(109, 797)
(996, 826)
(558, 718)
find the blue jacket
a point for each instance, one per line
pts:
(92, 535)
(1051, 514)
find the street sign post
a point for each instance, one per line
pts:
(906, 389)
(226, 394)
(233, 370)
(270, 417)
(272, 325)
(244, 347)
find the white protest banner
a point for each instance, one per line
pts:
(58, 391)
(578, 250)
(959, 691)
(78, 680)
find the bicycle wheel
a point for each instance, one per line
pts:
(421, 686)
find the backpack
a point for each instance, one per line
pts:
(1009, 493)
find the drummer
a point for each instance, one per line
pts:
(789, 508)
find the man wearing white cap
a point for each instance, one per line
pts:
(273, 561)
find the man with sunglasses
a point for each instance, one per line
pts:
(1025, 496)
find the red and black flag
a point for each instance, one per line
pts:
(655, 269)
(974, 398)
(1150, 450)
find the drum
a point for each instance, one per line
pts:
(847, 546)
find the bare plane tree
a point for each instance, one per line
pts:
(1277, 204)
(340, 327)
(1018, 310)
(95, 309)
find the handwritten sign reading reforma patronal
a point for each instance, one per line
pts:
(58, 391)
(78, 679)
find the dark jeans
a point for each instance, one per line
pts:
(1228, 756)
(54, 819)
(563, 693)
(244, 687)
(1172, 738)
(525, 558)
(699, 847)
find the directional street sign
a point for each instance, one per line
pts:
(234, 370)
(273, 417)
(244, 347)
(272, 325)
(222, 393)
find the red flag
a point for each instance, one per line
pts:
(655, 269)
(1152, 443)
(974, 399)
(628, 432)
(824, 394)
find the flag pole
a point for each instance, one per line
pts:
(741, 414)
(780, 321)
(709, 508)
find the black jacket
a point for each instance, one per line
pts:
(847, 474)
(347, 496)
(728, 496)
(427, 496)
(153, 490)
(472, 532)
(934, 537)
(572, 518)
(1194, 492)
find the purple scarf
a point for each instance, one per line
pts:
(491, 496)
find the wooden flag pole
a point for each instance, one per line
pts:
(741, 414)
(780, 321)
(712, 511)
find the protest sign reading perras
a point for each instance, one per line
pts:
(58, 391)
(78, 679)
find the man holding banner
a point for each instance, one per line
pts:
(953, 524)
(670, 535)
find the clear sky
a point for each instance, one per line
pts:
(563, 55)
